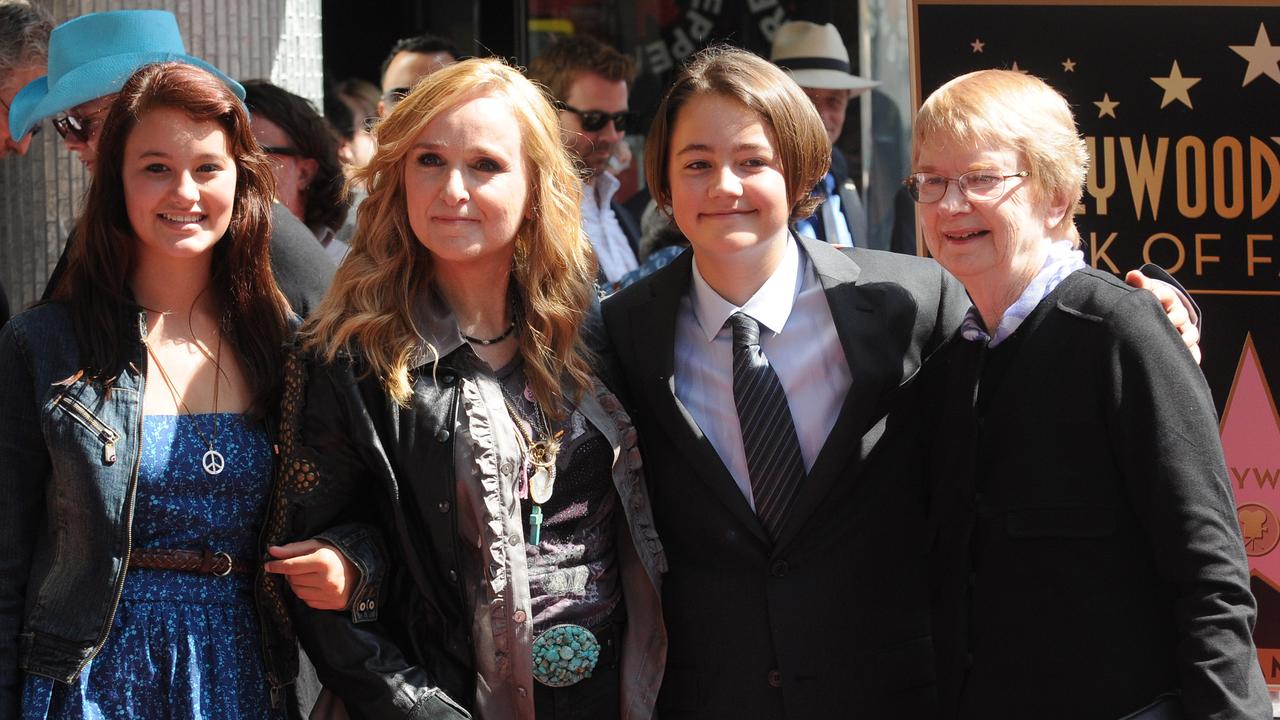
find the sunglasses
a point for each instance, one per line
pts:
(395, 95)
(35, 129)
(594, 120)
(81, 128)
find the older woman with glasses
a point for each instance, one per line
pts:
(1087, 558)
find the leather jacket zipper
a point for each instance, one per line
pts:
(85, 417)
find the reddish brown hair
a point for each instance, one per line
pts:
(255, 314)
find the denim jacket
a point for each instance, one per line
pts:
(69, 455)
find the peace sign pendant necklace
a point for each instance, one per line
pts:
(212, 461)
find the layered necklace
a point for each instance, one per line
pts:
(212, 461)
(538, 468)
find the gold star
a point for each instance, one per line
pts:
(1106, 106)
(1175, 87)
(977, 45)
(1263, 57)
(1015, 68)
(1069, 65)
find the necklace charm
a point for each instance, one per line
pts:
(213, 462)
(535, 525)
(542, 458)
(542, 483)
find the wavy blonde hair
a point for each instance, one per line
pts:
(368, 310)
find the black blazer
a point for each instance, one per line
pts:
(1087, 557)
(832, 620)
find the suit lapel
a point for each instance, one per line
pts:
(653, 341)
(860, 326)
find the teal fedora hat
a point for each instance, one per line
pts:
(93, 55)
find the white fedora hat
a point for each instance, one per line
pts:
(815, 57)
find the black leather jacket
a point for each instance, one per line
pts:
(358, 443)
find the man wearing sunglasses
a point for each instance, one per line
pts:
(588, 80)
(410, 60)
(89, 59)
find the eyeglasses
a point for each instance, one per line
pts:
(281, 150)
(594, 120)
(928, 188)
(82, 128)
(35, 129)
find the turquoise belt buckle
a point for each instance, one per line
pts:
(564, 655)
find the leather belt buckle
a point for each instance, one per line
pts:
(221, 565)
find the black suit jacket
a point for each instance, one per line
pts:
(832, 620)
(1087, 556)
(302, 269)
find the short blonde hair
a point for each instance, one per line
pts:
(369, 306)
(788, 115)
(1006, 108)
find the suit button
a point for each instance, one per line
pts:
(453, 576)
(778, 569)
(775, 678)
(443, 506)
(442, 435)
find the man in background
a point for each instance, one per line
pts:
(24, 43)
(410, 60)
(816, 58)
(588, 81)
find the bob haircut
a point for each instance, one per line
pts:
(1007, 109)
(787, 113)
(255, 315)
(369, 306)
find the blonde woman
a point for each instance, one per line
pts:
(445, 398)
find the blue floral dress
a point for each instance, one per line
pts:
(183, 645)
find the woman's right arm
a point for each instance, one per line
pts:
(26, 467)
(330, 488)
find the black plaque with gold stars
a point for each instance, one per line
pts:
(1180, 105)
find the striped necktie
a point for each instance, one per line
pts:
(769, 437)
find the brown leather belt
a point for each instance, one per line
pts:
(196, 561)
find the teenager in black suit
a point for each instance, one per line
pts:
(1095, 579)
(776, 620)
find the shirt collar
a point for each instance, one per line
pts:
(602, 188)
(1061, 260)
(436, 327)
(770, 306)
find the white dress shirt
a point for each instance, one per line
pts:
(601, 225)
(798, 336)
